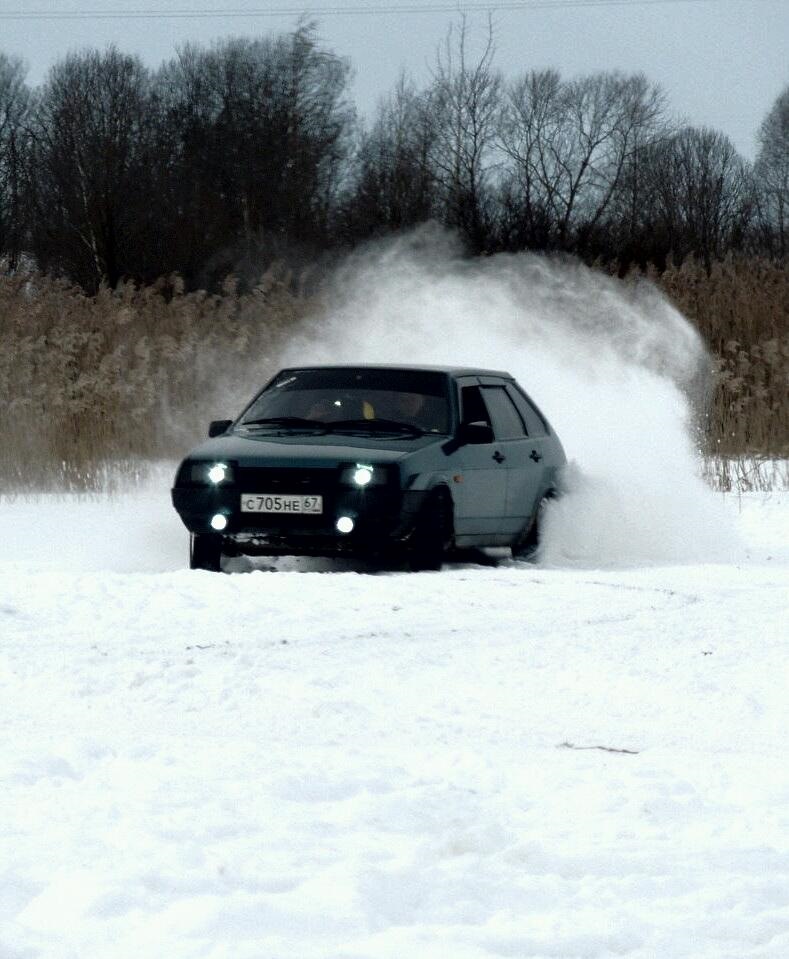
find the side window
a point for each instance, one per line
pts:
(507, 424)
(535, 424)
(474, 409)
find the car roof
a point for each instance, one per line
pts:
(415, 367)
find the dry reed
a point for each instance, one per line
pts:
(741, 309)
(92, 388)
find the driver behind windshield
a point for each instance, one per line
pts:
(409, 408)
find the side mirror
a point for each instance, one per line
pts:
(475, 434)
(218, 427)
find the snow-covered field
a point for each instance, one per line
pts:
(492, 761)
(579, 759)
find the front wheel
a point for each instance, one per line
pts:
(205, 552)
(432, 536)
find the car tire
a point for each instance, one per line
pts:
(432, 535)
(205, 552)
(529, 541)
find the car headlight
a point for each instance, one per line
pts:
(362, 475)
(213, 473)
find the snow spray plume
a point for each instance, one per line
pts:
(611, 365)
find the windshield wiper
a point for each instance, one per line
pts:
(288, 422)
(384, 426)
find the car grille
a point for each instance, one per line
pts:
(251, 479)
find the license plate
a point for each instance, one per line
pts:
(278, 503)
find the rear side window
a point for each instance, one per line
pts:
(507, 424)
(535, 424)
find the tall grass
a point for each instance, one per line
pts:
(741, 310)
(92, 388)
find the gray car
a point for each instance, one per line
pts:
(374, 461)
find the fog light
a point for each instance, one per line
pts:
(217, 473)
(344, 524)
(362, 475)
(218, 521)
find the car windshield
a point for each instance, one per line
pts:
(409, 401)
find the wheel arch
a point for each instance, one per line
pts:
(441, 488)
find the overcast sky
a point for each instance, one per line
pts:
(722, 62)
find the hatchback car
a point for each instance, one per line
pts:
(374, 461)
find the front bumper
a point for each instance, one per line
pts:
(384, 517)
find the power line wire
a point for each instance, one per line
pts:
(335, 11)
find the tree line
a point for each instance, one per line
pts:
(232, 155)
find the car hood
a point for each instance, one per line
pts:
(265, 449)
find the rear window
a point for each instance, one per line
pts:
(507, 424)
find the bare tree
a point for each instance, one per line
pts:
(257, 132)
(570, 144)
(528, 133)
(464, 100)
(91, 166)
(771, 174)
(14, 107)
(700, 196)
(393, 186)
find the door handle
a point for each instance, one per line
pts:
(534, 455)
(499, 457)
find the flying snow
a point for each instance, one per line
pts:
(615, 368)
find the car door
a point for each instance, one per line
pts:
(523, 456)
(541, 444)
(481, 484)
